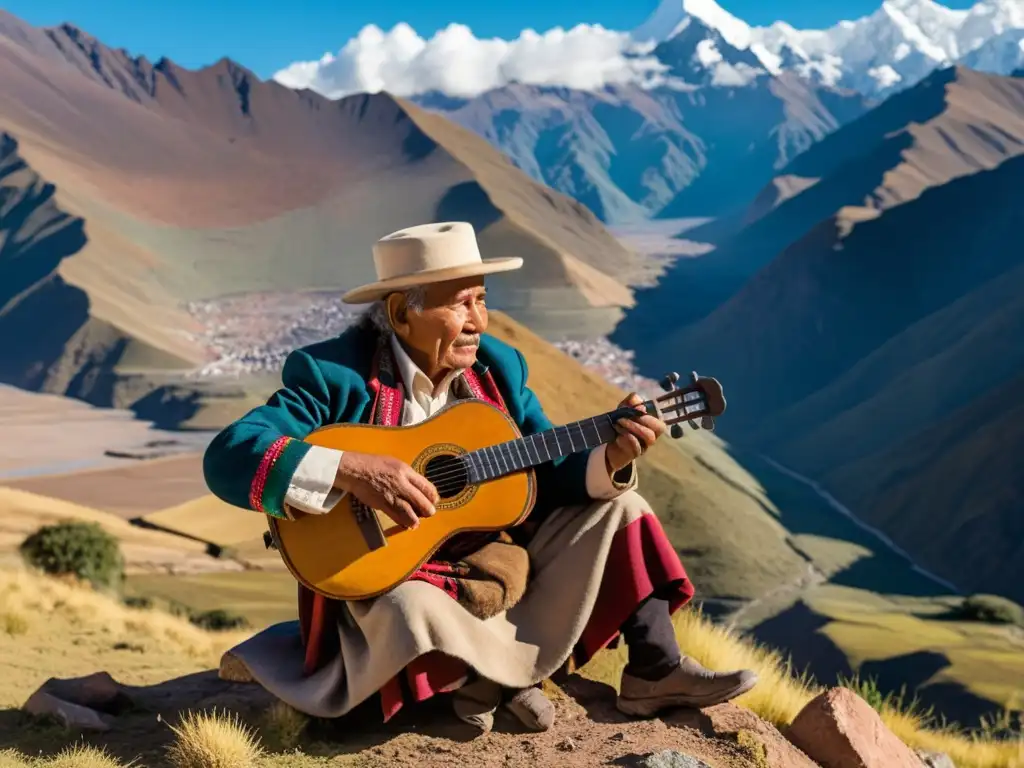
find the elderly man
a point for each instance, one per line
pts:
(490, 616)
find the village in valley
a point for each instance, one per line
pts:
(253, 334)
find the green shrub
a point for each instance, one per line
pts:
(79, 549)
(992, 609)
(219, 619)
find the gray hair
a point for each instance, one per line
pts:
(377, 314)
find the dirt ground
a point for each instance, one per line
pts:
(588, 732)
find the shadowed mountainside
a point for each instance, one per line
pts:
(954, 123)
(863, 335)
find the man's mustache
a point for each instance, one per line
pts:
(468, 340)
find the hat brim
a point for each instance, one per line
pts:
(374, 291)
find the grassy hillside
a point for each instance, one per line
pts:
(161, 658)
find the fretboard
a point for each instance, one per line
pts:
(541, 447)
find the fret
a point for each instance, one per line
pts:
(543, 444)
(494, 461)
(496, 455)
(579, 426)
(524, 458)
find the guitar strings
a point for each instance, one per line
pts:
(548, 438)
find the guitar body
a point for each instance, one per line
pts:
(355, 553)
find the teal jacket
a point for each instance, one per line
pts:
(250, 463)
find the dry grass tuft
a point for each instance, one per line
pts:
(209, 740)
(81, 756)
(11, 758)
(282, 726)
(74, 756)
(15, 623)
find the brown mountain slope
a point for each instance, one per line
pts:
(156, 185)
(845, 289)
(882, 328)
(954, 355)
(954, 123)
(961, 483)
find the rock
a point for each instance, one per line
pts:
(733, 723)
(233, 670)
(73, 716)
(838, 729)
(568, 745)
(98, 691)
(670, 759)
(936, 759)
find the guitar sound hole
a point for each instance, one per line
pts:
(449, 474)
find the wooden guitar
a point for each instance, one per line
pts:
(482, 468)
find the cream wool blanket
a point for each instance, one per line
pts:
(517, 649)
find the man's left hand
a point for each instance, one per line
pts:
(636, 435)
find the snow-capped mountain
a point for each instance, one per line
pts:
(888, 50)
(1002, 53)
(699, 54)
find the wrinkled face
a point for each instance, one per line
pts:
(445, 334)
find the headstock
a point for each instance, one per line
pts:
(703, 398)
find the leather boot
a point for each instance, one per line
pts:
(688, 685)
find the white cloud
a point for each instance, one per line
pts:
(456, 62)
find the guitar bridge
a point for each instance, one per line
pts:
(369, 526)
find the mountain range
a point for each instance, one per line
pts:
(130, 188)
(888, 50)
(734, 105)
(869, 321)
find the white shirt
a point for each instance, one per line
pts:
(312, 485)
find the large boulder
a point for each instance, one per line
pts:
(838, 729)
(729, 722)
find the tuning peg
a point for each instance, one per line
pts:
(676, 431)
(669, 382)
(694, 378)
(693, 424)
(708, 423)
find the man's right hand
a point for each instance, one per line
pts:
(387, 484)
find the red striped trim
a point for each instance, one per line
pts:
(266, 464)
(484, 388)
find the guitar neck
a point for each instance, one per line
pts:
(703, 399)
(541, 447)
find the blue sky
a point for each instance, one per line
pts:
(266, 35)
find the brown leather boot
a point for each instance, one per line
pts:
(688, 685)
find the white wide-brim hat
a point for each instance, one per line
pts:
(429, 253)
